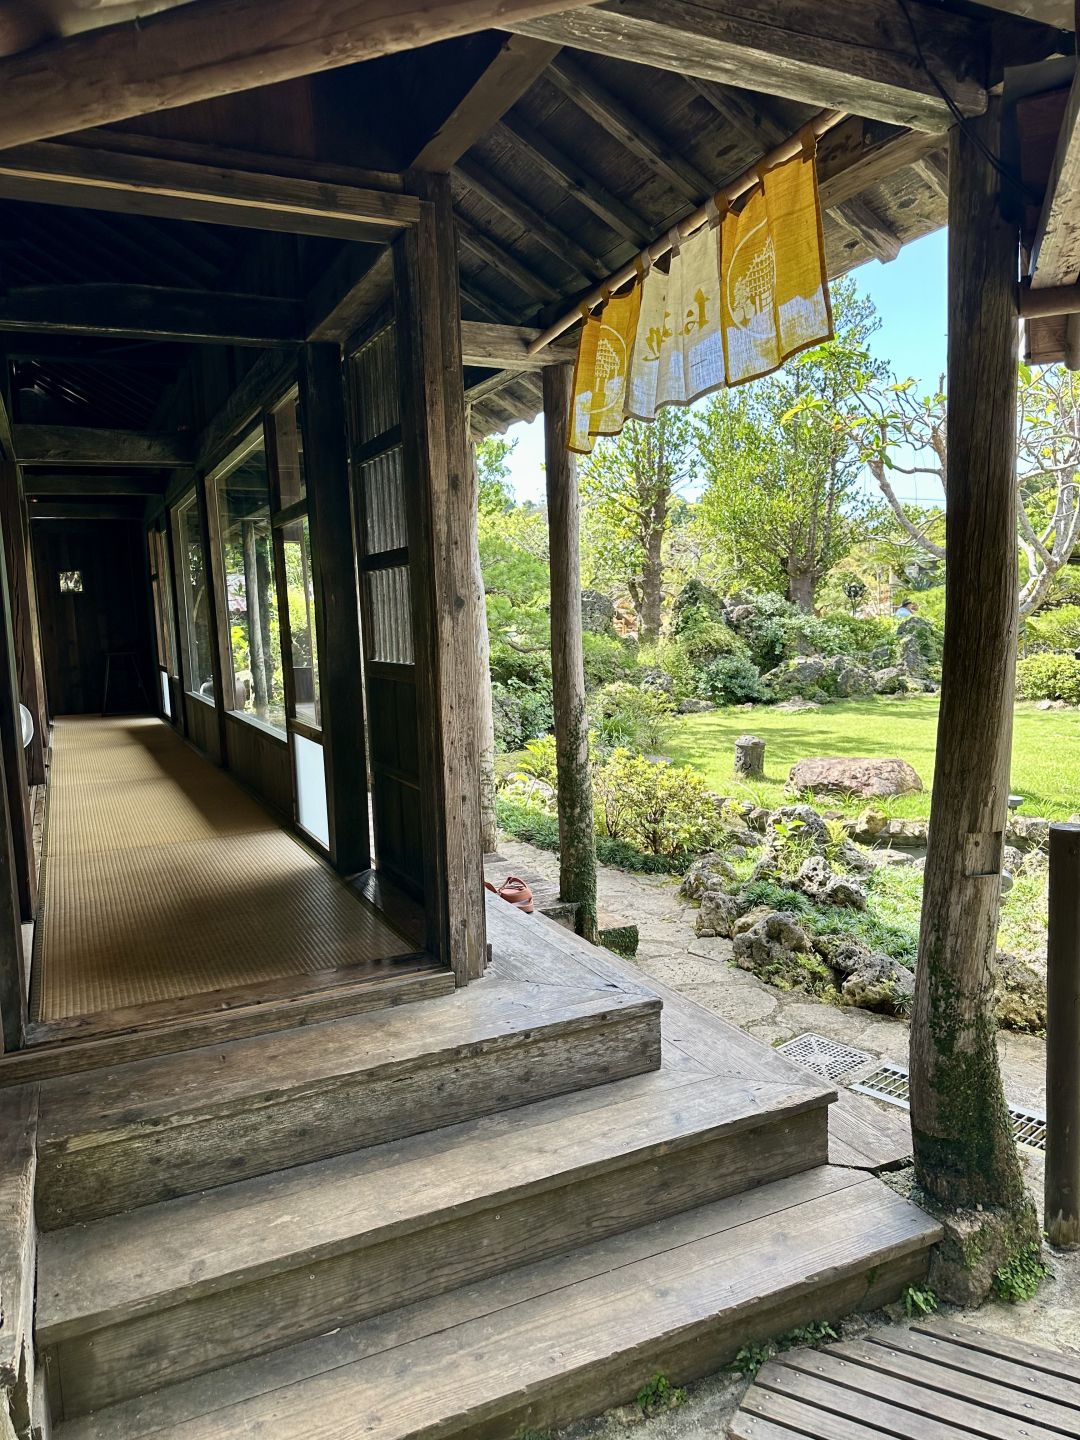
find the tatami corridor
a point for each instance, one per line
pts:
(164, 880)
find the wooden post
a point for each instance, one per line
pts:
(577, 836)
(964, 1151)
(337, 616)
(442, 541)
(1062, 1181)
(16, 528)
(489, 828)
(11, 749)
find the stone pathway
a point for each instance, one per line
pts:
(702, 970)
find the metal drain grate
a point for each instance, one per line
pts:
(890, 1083)
(825, 1057)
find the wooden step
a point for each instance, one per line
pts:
(135, 1301)
(174, 1124)
(567, 1336)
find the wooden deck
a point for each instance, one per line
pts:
(938, 1380)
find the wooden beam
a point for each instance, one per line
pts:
(547, 158)
(349, 292)
(62, 174)
(863, 58)
(337, 615)
(516, 66)
(190, 54)
(506, 347)
(491, 253)
(14, 521)
(964, 1151)
(490, 385)
(442, 539)
(70, 482)
(1055, 254)
(267, 380)
(577, 823)
(153, 312)
(78, 445)
(860, 219)
(483, 182)
(574, 82)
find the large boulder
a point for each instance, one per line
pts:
(778, 950)
(797, 677)
(848, 775)
(843, 678)
(597, 613)
(718, 913)
(710, 872)
(870, 980)
(892, 680)
(1020, 992)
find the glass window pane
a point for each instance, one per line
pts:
(247, 563)
(296, 547)
(195, 600)
(163, 608)
(311, 788)
(288, 452)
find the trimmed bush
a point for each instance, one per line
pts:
(730, 680)
(535, 827)
(661, 809)
(635, 719)
(1049, 677)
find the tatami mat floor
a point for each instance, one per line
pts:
(163, 879)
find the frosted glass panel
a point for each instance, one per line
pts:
(311, 788)
(166, 698)
(391, 615)
(384, 503)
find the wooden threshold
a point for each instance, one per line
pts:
(134, 1032)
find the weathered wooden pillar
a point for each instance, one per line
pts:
(442, 543)
(1062, 1180)
(964, 1152)
(337, 618)
(577, 836)
(15, 524)
(489, 825)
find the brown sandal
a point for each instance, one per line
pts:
(515, 892)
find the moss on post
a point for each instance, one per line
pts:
(577, 841)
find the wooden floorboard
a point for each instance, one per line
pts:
(938, 1380)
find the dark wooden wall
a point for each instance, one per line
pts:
(111, 614)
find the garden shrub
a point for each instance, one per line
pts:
(628, 716)
(607, 658)
(730, 680)
(695, 601)
(537, 827)
(662, 809)
(1049, 677)
(1057, 629)
(521, 712)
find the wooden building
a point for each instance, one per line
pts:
(300, 1135)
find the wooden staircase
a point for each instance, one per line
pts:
(487, 1212)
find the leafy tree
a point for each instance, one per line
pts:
(781, 487)
(492, 473)
(903, 432)
(630, 487)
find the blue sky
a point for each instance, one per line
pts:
(909, 294)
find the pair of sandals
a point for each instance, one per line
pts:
(514, 891)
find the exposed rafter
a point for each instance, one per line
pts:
(491, 253)
(569, 175)
(1055, 254)
(862, 58)
(489, 187)
(507, 347)
(516, 65)
(582, 89)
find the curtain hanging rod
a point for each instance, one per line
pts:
(726, 195)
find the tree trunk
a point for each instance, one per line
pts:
(577, 839)
(652, 586)
(801, 589)
(489, 830)
(964, 1151)
(256, 659)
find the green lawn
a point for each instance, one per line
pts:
(1046, 749)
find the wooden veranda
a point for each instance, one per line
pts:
(265, 269)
